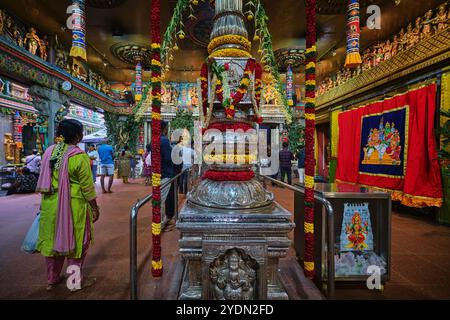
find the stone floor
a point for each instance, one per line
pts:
(420, 254)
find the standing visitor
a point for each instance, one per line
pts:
(93, 156)
(301, 165)
(106, 155)
(33, 162)
(166, 174)
(68, 207)
(286, 157)
(24, 183)
(125, 164)
(148, 165)
(188, 161)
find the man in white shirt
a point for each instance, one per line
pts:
(33, 162)
(93, 155)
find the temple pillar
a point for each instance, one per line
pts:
(52, 104)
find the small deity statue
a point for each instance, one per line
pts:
(395, 44)
(31, 41)
(367, 60)
(9, 146)
(416, 32)
(2, 20)
(358, 70)
(338, 78)
(442, 18)
(402, 40)
(379, 54)
(387, 50)
(427, 29)
(43, 45)
(17, 35)
(410, 37)
(92, 79)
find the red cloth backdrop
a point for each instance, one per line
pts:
(421, 185)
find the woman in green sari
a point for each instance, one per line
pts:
(68, 208)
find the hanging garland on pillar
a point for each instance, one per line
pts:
(311, 56)
(289, 86)
(353, 58)
(157, 267)
(78, 49)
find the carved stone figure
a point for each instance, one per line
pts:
(416, 32)
(427, 29)
(43, 45)
(233, 276)
(9, 146)
(31, 41)
(409, 36)
(442, 18)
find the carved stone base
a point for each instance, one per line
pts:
(234, 254)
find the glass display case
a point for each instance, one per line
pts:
(362, 231)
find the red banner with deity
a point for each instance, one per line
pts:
(391, 145)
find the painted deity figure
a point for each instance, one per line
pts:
(442, 18)
(410, 37)
(427, 29)
(31, 41)
(379, 57)
(357, 231)
(43, 45)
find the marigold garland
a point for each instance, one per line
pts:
(229, 39)
(230, 158)
(237, 53)
(311, 56)
(157, 267)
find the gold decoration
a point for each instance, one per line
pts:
(230, 53)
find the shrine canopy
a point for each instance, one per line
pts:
(96, 137)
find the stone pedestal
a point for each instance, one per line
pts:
(233, 254)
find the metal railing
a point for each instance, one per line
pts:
(133, 230)
(330, 224)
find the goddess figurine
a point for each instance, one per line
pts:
(31, 41)
(427, 29)
(387, 50)
(43, 44)
(409, 35)
(442, 18)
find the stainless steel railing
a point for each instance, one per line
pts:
(133, 230)
(330, 229)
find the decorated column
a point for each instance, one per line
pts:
(157, 267)
(289, 86)
(78, 49)
(353, 58)
(138, 95)
(311, 56)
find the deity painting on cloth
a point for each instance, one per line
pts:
(356, 232)
(385, 149)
